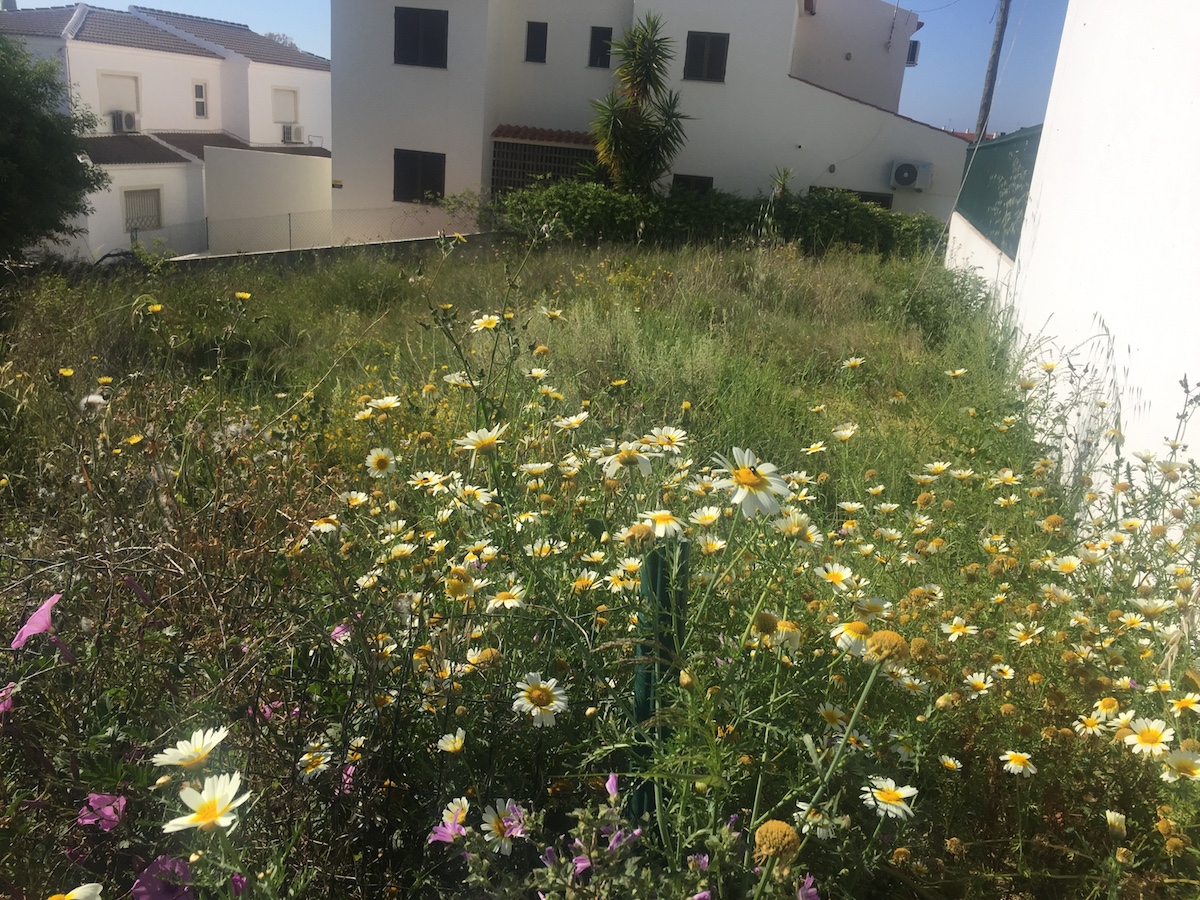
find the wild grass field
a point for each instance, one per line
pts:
(506, 571)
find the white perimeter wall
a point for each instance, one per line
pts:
(872, 33)
(761, 119)
(266, 201)
(1110, 226)
(312, 100)
(967, 248)
(164, 85)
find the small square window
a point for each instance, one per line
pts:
(284, 105)
(418, 176)
(705, 57)
(143, 209)
(421, 37)
(600, 49)
(200, 99)
(535, 42)
(698, 184)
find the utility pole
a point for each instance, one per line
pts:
(989, 82)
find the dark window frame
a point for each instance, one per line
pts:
(600, 48)
(697, 184)
(706, 56)
(422, 178)
(535, 41)
(421, 37)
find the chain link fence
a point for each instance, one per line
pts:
(304, 230)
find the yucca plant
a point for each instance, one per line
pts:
(638, 127)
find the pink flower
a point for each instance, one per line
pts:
(104, 810)
(6, 696)
(446, 832)
(38, 623)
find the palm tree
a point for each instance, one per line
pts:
(638, 127)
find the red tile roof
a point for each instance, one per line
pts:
(121, 29)
(195, 142)
(125, 29)
(36, 22)
(129, 149)
(543, 135)
(239, 39)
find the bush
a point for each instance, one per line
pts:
(819, 221)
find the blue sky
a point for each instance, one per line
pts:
(943, 90)
(945, 87)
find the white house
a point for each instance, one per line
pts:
(171, 90)
(454, 95)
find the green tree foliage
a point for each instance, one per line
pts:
(638, 127)
(45, 178)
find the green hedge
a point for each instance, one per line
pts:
(820, 220)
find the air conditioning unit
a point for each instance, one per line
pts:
(908, 173)
(293, 134)
(914, 53)
(125, 122)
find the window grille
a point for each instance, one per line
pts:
(143, 209)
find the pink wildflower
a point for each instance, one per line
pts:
(104, 810)
(38, 623)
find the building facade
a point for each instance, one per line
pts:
(460, 95)
(167, 88)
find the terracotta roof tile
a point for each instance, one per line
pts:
(106, 26)
(129, 149)
(543, 135)
(36, 22)
(195, 142)
(239, 39)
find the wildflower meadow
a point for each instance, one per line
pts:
(552, 572)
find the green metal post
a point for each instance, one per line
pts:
(664, 593)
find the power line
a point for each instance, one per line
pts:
(936, 8)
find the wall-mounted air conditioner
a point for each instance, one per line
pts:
(293, 134)
(911, 174)
(914, 53)
(124, 122)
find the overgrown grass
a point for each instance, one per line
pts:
(348, 509)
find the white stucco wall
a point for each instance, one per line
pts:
(741, 131)
(181, 204)
(761, 119)
(967, 248)
(312, 97)
(854, 47)
(554, 94)
(164, 85)
(1108, 228)
(44, 47)
(379, 107)
(266, 201)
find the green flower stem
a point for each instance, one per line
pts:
(841, 748)
(767, 872)
(766, 738)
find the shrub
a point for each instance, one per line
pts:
(818, 221)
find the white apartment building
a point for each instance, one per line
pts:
(183, 103)
(443, 96)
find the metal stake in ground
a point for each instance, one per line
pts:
(664, 595)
